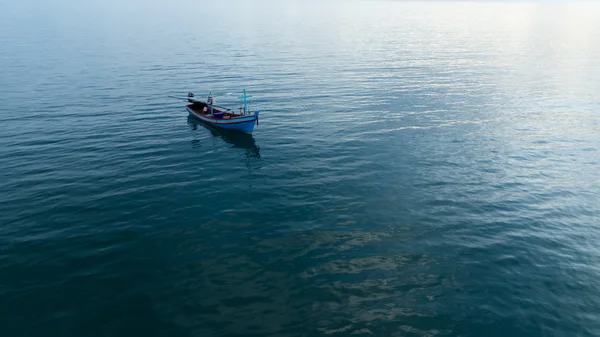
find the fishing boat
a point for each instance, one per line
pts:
(222, 117)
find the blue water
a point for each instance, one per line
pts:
(420, 169)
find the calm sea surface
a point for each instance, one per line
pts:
(420, 169)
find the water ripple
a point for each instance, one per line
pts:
(409, 177)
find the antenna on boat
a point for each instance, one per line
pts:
(245, 98)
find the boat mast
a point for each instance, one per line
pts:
(245, 98)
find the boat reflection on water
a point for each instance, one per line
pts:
(238, 140)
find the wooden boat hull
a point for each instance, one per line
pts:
(234, 122)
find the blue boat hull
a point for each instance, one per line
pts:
(239, 123)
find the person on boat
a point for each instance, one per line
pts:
(210, 103)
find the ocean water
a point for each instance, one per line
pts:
(420, 169)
